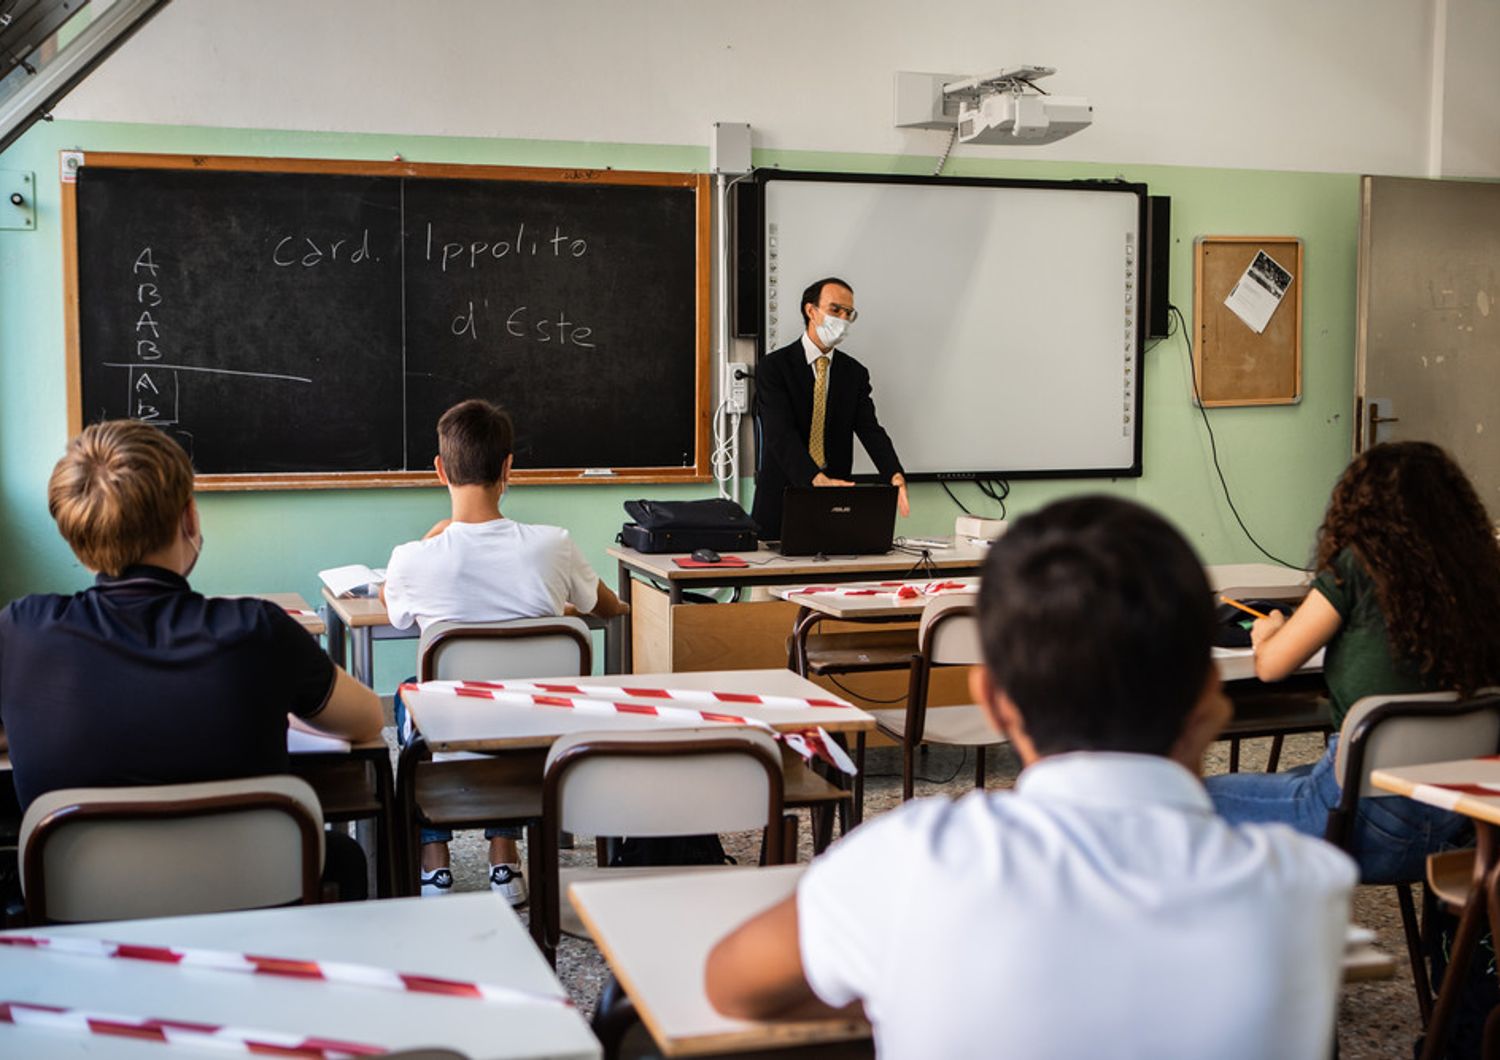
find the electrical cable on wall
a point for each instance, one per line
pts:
(1214, 447)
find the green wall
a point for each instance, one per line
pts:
(1280, 462)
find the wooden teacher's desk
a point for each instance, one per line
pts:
(664, 633)
(470, 937)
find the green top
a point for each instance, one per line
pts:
(1359, 659)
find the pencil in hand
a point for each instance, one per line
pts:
(1243, 607)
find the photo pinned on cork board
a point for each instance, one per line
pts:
(1247, 319)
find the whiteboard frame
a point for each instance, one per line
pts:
(1116, 187)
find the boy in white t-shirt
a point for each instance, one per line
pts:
(1101, 908)
(479, 566)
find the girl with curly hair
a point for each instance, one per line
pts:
(1405, 598)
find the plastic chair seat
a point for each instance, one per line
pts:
(961, 726)
(803, 787)
(476, 792)
(858, 652)
(1450, 877)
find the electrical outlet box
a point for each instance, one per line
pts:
(729, 147)
(738, 399)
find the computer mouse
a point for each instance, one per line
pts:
(706, 555)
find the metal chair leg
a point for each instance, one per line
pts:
(1274, 759)
(1414, 951)
(979, 768)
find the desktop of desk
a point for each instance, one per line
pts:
(474, 937)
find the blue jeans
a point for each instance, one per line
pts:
(1392, 835)
(441, 835)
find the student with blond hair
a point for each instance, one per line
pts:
(138, 679)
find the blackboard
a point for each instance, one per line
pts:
(305, 323)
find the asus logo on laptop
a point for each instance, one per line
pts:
(840, 509)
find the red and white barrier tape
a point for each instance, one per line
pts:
(288, 967)
(897, 590)
(180, 1032)
(677, 695)
(809, 743)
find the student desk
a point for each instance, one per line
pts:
(1470, 787)
(663, 633)
(474, 937)
(298, 608)
(656, 934)
(460, 723)
(363, 620)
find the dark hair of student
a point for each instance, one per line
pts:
(814, 294)
(1412, 518)
(1098, 622)
(474, 439)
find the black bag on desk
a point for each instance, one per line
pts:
(717, 513)
(684, 526)
(644, 540)
(1234, 625)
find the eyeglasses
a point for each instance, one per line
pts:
(848, 312)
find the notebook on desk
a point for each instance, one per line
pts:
(837, 521)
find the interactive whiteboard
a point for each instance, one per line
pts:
(1001, 321)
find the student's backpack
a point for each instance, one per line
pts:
(670, 850)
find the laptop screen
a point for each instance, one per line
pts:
(838, 520)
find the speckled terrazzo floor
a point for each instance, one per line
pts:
(1375, 1019)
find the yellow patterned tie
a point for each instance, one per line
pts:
(820, 410)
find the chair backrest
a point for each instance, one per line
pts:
(948, 634)
(172, 849)
(522, 647)
(1385, 732)
(663, 782)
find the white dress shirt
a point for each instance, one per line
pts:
(1100, 909)
(811, 351)
(488, 572)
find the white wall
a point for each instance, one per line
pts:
(1331, 85)
(1466, 138)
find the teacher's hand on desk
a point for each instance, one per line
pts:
(903, 505)
(821, 479)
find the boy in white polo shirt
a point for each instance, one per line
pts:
(479, 566)
(1102, 908)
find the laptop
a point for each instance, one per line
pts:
(837, 520)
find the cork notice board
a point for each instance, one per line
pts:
(1232, 363)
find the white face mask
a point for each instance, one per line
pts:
(831, 330)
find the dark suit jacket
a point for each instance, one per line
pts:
(783, 408)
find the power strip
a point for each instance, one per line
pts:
(739, 389)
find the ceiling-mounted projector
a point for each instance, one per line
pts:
(1022, 118)
(1001, 107)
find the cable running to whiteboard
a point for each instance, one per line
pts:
(405, 423)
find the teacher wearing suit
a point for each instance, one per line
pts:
(810, 404)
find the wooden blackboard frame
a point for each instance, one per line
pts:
(698, 182)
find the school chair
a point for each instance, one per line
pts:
(1386, 732)
(646, 783)
(171, 849)
(468, 790)
(948, 635)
